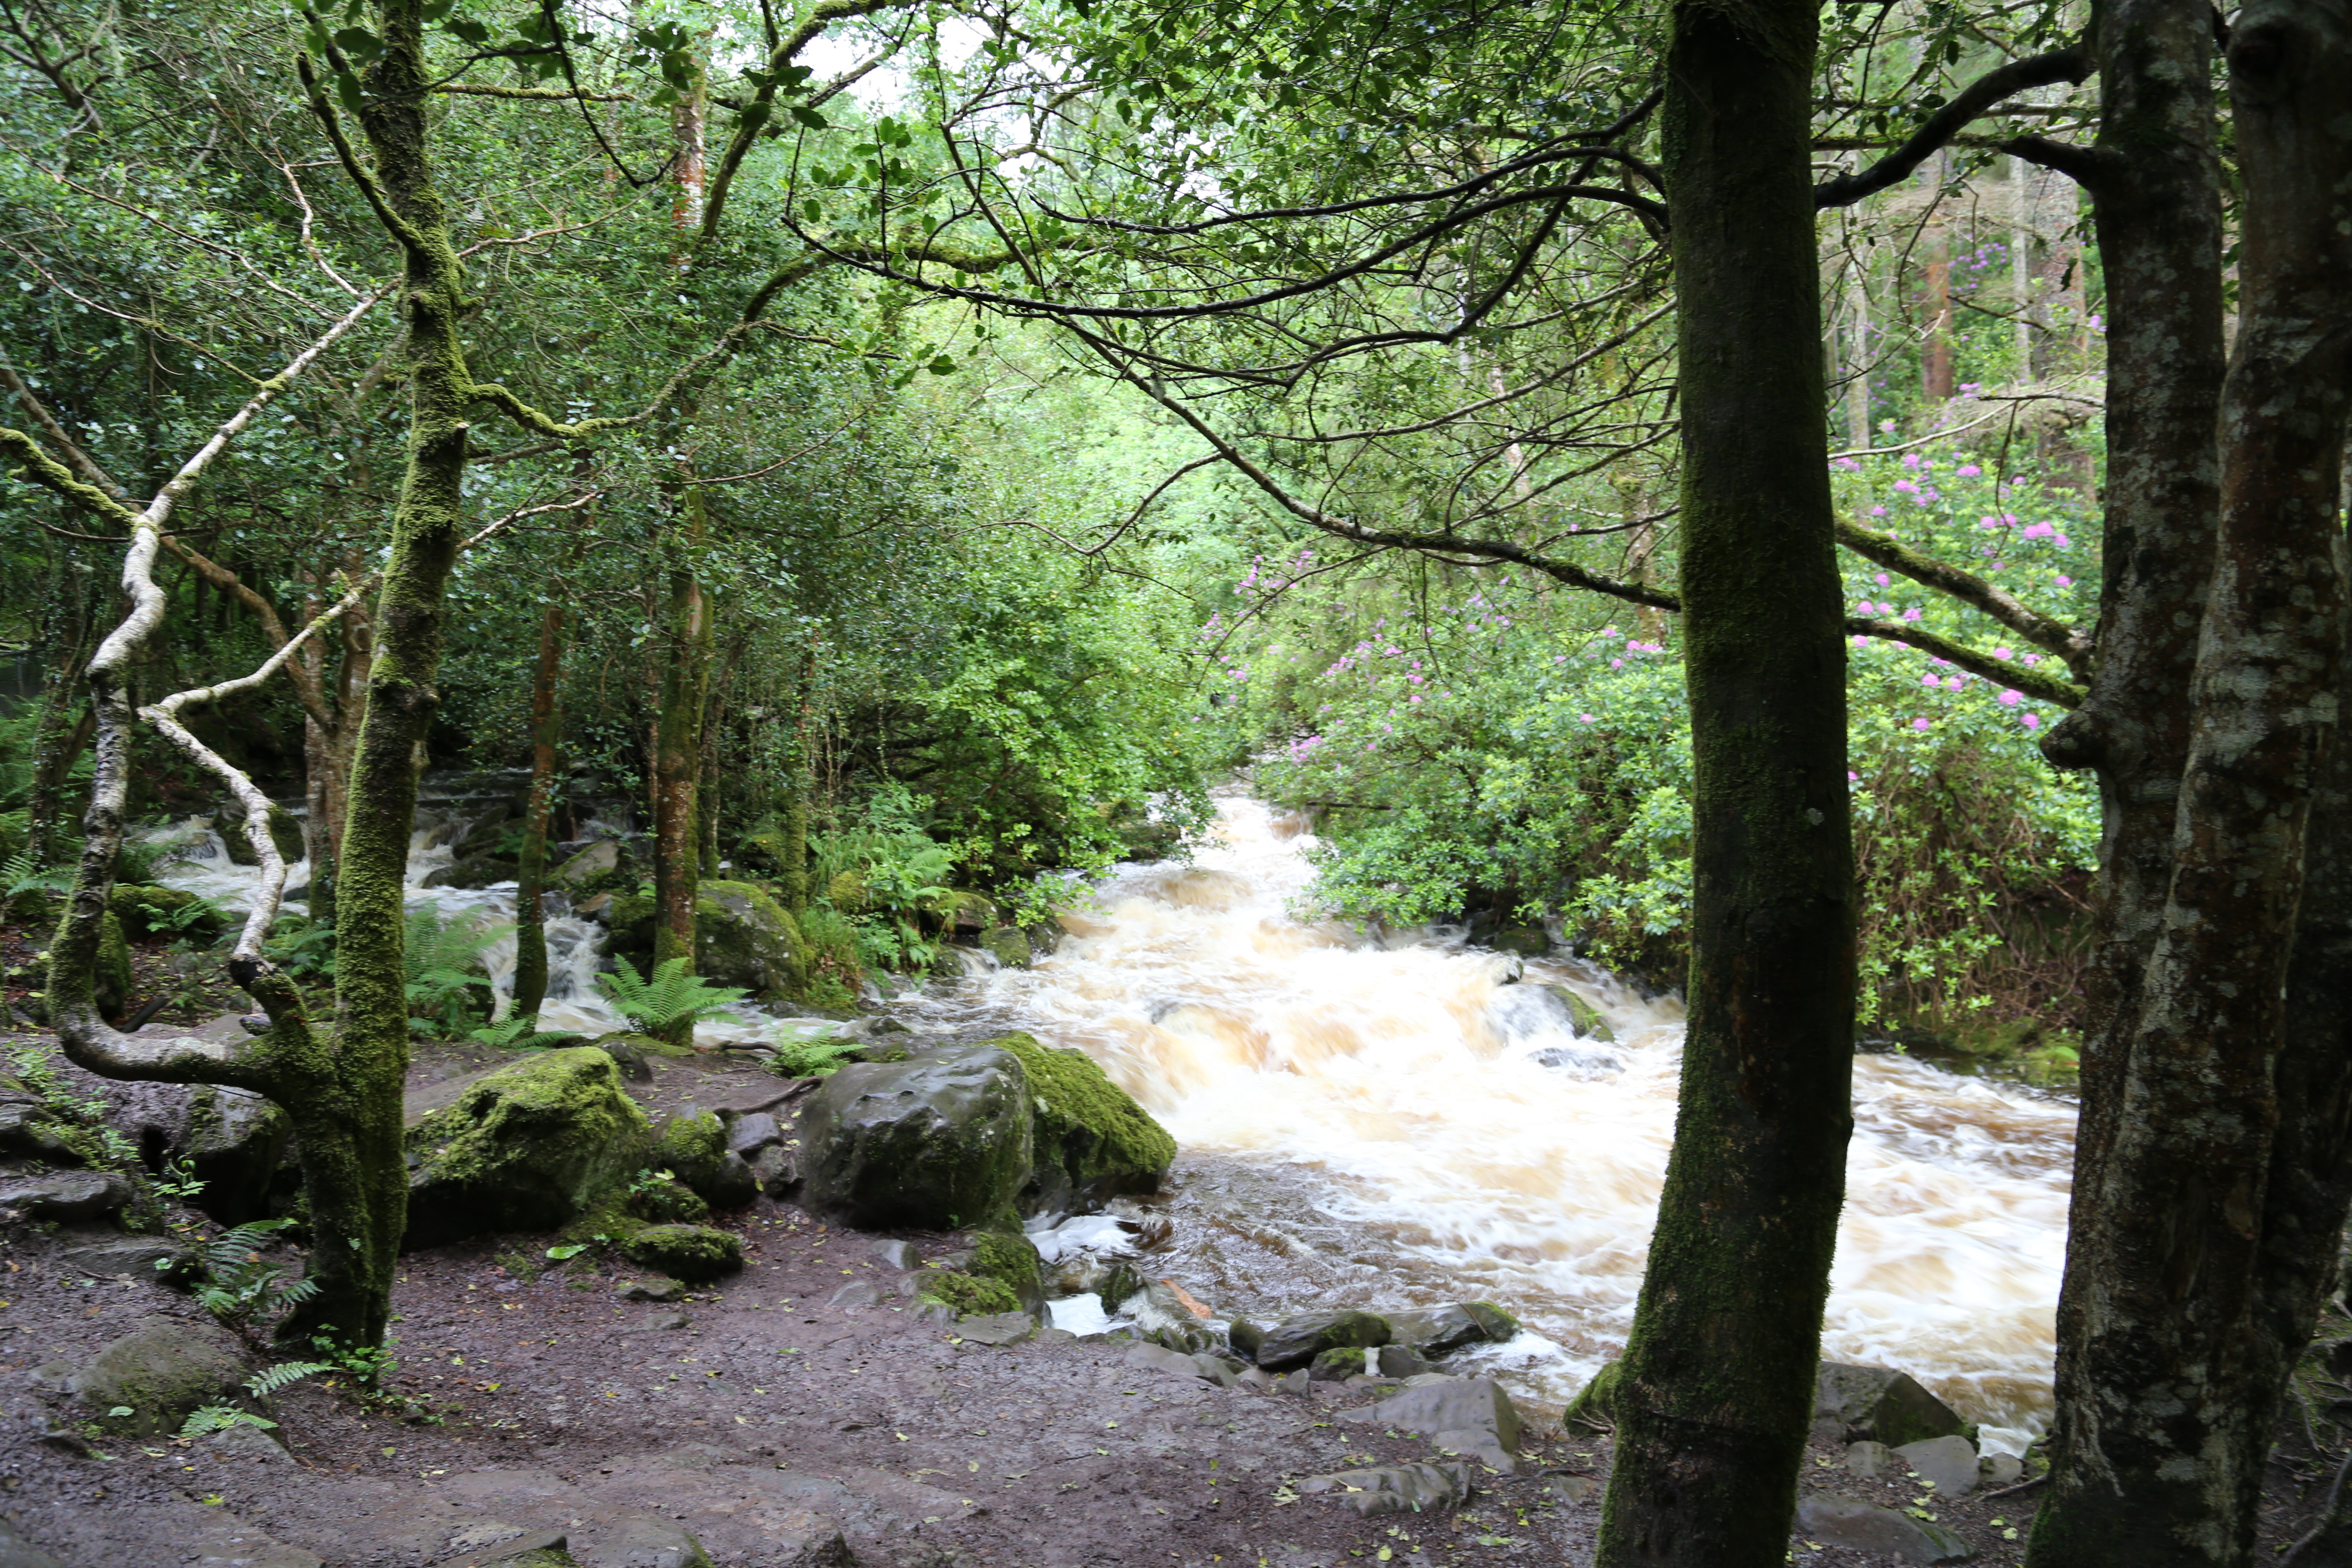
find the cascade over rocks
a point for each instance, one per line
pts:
(529, 1146)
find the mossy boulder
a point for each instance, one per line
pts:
(1092, 1142)
(1009, 946)
(1297, 1341)
(693, 1253)
(148, 911)
(1010, 1259)
(846, 891)
(1583, 1016)
(742, 936)
(1596, 1404)
(531, 1146)
(938, 1142)
(238, 1144)
(970, 1296)
(160, 1372)
(670, 1202)
(693, 1149)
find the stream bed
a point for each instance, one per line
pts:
(1407, 1119)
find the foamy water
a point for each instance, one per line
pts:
(1400, 1123)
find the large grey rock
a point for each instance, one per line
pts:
(161, 1371)
(1876, 1402)
(1860, 1527)
(1160, 1358)
(1395, 1488)
(1518, 1013)
(1297, 1341)
(28, 1129)
(531, 1146)
(1998, 1470)
(1436, 1330)
(138, 1257)
(237, 1144)
(1948, 1462)
(750, 1134)
(938, 1142)
(1468, 1415)
(894, 1254)
(68, 1195)
(593, 861)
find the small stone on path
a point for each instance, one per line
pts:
(1949, 1462)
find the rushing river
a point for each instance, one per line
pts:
(1395, 1122)
(1403, 1122)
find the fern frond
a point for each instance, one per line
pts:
(298, 1292)
(673, 995)
(285, 1374)
(235, 1249)
(206, 1419)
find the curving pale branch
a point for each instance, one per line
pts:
(88, 1040)
(165, 717)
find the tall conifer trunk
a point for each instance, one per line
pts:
(1716, 1388)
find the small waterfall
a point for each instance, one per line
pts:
(198, 861)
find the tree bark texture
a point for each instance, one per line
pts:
(677, 743)
(358, 1192)
(2156, 204)
(2177, 1382)
(1717, 1390)
(530, 874)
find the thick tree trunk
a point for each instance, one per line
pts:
(678, 746)
(1717, 1389)
(2175, 1382)
(2156, 206)
(530, 875)
(357, 1185)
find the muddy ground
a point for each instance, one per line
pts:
(777, 1428)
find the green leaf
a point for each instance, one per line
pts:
(810, 117)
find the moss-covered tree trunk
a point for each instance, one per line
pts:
(2176, 1351)
(1716, 1390)
(793, 874)
(530, 872)
(677, 742)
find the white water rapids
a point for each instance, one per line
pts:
(1396, 1122)
(1368, 1123)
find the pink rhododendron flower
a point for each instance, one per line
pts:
(1918, 723)
(2012, 699)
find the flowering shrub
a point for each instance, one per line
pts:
(1512, 750)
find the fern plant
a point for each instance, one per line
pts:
(239, 1284)
(444, 963)
(206, 1419)
(818, 1057)
(672, 997)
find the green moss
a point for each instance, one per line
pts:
(668, 1203)
(1498, 1324)
(1597, 1403)
(688, 1141)
(147, 911)
(531, 1146)
(969, 1296)
(690, 1252)
(113, 978)
(1010, 1259)
(1094, 1130)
